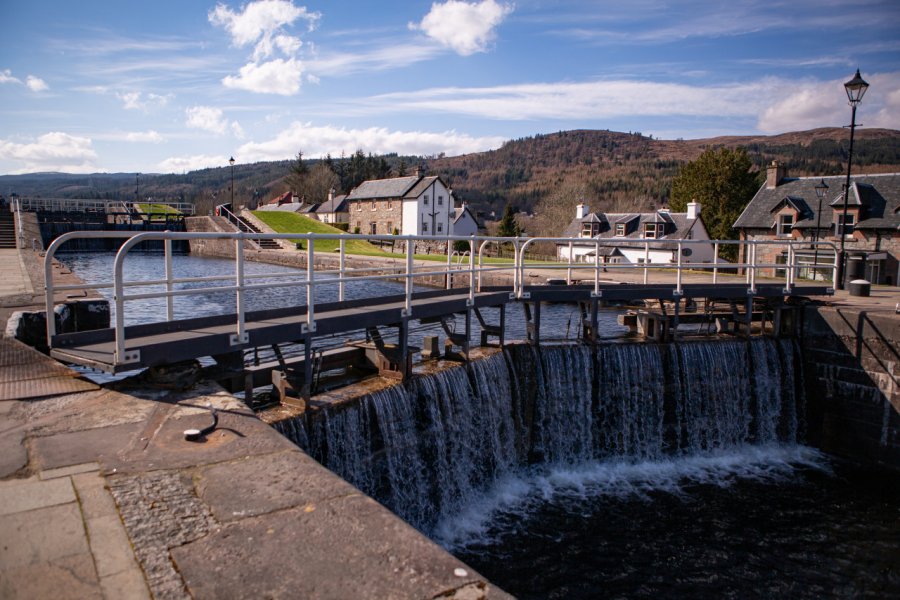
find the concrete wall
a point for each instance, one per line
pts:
(852, 370)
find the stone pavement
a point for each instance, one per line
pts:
(102, 497)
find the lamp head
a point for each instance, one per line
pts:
(821, 189)
(856, 89)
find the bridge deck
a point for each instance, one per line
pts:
(166, 343)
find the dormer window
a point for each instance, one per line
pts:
(785, 225)
(620, 229)
(651, 229)
(845, 227)
(590, 229)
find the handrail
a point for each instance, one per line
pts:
(406, 269)
(104, 206)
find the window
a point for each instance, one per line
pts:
(440, 200)
(440, 228)
(620, 229)
(390, 227)
(650, 230)
(359, 205)
(426, 199)
(424, 227)
(845, 228)
(785, 223)
(374, 205)
(389, 202)
(372, 228)
(590, 229)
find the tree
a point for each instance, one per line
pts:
(320, 180)
(508, 226)
(297, 175)
(722, 182)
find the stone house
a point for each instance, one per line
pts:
(414, 205)
(786, 208)
(627, 232)
(334, 210)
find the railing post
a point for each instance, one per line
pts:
(569, 269)
(239, 284)
(119, 300)
(789, 271)
(471, 270)
(678, 274)
(597, 269)
(170, 301)
(716, 262)
(450, 253)
(646, 261)
(410, 268)
(752, 272)
(310, 284)
(341, 277)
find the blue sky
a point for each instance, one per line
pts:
(172, 86)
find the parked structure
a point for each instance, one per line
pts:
(625, 228)
(790, 208)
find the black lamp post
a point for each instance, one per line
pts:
(231, 162)
(137, 187)
(856, 89)
(821, 189)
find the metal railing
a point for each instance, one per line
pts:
(102, 206)
(405, 267)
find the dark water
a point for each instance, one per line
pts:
(811, 527)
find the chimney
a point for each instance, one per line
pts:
(331, 195)
(418, 171)
(774, 174)
(581, 211)
(693, 210)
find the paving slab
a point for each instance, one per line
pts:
(68, 578)
(69, 471)
(264, 484)
(13, 455)
(94, 497)
(128, 585)
(101, 445)
(324, 551)
(42, 536)
(22, 495)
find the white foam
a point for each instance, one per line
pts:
(517, 495)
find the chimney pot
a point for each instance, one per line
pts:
(693, 209)
(774, 174)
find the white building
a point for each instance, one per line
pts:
(627, 234)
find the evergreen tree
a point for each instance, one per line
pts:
(508, 226)
(297, 175)
(721, 181)
(401, 168)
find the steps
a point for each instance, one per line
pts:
(7, 230)
(264, 244)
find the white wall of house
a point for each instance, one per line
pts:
(434, 207)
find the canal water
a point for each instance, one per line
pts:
(629, 471)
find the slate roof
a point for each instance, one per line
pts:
(677, 226)
(418, 189)
(878, 197)
(336, 204)
(395, 187)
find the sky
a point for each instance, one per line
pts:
(171, 86)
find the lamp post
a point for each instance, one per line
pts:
(856, 89)
(137, 187)
(231, 162)
(821, 189)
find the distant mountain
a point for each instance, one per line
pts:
(544, 174)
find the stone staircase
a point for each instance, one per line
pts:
(7, 229)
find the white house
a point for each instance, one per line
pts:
(415, 205)
(626, 233)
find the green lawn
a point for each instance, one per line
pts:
(288, 222)
(159, 211)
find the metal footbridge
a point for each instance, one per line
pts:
(461, 283)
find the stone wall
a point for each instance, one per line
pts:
(385, 215)
(852, 370)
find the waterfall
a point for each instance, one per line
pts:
(426, 448)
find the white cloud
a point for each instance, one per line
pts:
(260, 22)
(36, 84)
(812, 104)
(209, 118)
(465, 27)
(274, 77)
(54, 151)
(181, 164)
(7, 77)
(144, 102)
(144, 136)
(319, 141)
(373, 59)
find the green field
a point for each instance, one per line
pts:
(288, 222)
(157, 211)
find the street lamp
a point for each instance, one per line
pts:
(231, 162)
(821, 189)
(856, 89)
(137, 187)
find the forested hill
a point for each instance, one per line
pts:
(544, 174)
(623, 170)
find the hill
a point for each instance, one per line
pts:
(543, 174)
